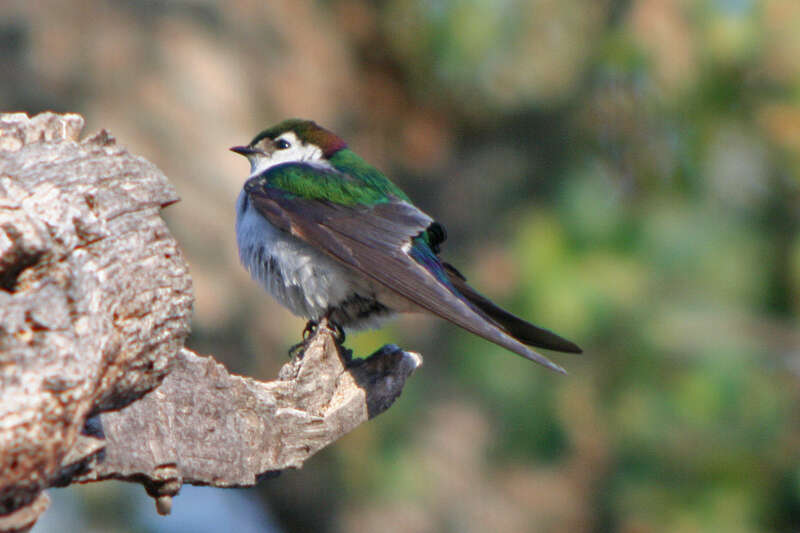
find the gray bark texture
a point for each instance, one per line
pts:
(95, 305)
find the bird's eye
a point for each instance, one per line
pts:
(282, 144)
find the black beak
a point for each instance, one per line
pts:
(244, 150)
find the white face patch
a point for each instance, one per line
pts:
(296, 152)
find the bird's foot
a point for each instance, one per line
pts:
(339, 332)
(338, 338)
(337, 329)
(310, 329)
(298, 349)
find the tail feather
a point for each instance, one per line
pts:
(520, 329)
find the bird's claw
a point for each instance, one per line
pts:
(309, 330)
(338, 333)
(297, 349)
(338, 338)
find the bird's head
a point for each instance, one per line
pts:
(291, 141)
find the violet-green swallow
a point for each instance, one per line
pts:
(331, 237)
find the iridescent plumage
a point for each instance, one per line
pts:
(330, 236)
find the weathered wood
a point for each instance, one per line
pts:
(95, 296)
(205, 426)
(95, 302)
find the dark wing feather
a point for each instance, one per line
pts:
(374, 240)
(515, 326)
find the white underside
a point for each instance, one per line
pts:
(304, 280)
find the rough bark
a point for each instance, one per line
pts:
(95, 302)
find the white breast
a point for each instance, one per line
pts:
(301, 278)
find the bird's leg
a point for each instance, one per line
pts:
(338, 338)
(338, 330)
(308, 331)
(339, 333)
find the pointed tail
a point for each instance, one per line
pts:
(516, 327)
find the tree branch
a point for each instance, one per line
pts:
(95, 302)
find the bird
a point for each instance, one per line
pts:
(330, 236)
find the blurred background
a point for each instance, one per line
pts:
(624, 172)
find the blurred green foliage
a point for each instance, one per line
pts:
(661, 233)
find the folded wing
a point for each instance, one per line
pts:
(382, 241)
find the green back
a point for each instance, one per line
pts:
(358, 183)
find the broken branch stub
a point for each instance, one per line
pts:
(205, 426)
